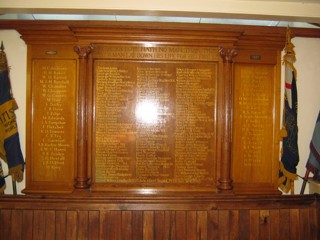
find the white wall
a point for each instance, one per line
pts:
(308, 83)
(308, 87)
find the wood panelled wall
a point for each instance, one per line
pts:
(259, 217)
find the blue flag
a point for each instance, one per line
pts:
(10, 150)
(313, 163)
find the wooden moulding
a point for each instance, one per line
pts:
(107, 31)
(145, 203)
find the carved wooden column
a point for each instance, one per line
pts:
(225, 181)
(82, 179)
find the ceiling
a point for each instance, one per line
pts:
(156, 19)
(294, 13)
(293, 1)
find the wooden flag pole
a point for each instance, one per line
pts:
(14, 187)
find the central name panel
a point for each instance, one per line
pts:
(154, 118)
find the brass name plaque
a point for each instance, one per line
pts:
(154, 120)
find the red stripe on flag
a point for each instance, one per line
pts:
(288, 85)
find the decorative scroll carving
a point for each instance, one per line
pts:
(82, 179)
(225, 181)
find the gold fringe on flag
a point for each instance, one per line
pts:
(284, 185)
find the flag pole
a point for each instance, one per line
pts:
(305, 180)
(14, 187)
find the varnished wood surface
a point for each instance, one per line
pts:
(47, 108)
(116, 201)
(107, 217)
(220, 162)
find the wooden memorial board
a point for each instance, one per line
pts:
(52, 86)
(163, 112)
(154, 118)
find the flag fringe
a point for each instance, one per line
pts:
(284, 182)
(16, 173)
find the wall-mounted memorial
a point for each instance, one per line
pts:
(138, 108)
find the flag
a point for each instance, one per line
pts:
(290, 152)
(2, 181)
(313, 163)
(10, 150)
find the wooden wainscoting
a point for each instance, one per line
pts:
(239, 217)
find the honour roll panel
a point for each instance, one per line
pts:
(151, 119)
(51, 124)
(154, 118)
(255, 125)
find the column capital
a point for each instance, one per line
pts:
(83, 51)
(227, 54)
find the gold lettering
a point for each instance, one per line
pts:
(54, 116)
(178, 144)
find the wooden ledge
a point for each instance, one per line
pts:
(98, 202)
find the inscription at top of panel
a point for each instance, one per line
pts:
(154, 52)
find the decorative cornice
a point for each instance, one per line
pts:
(86, 32)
